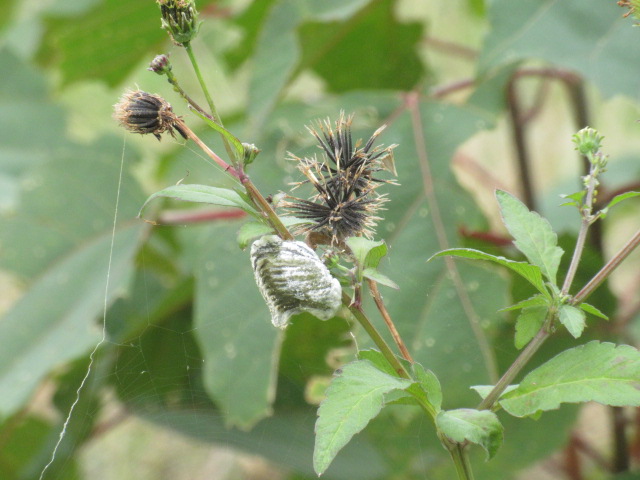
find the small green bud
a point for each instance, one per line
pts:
(180, 19)
(250, 153)
(160, 65)
(588, 141)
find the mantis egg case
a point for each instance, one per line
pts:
(292, 279)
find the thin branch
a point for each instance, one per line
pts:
(375, 293)
(609, 267)
(522, 153)
(452, 48)
(621, 447)
(380, 342)
(439, 227)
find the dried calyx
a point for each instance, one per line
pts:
(143, 113)
(345, 202)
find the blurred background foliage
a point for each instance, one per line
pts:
(478, 94)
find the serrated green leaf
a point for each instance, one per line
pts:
(376, 276)
(599, 372)
(203, 194)
(528, 324)
(535, 301)
(429, 384)
(572, 318)
(592, 310)
(367, 253)
(617, 199)
(529, 272)
(481, 427)
(532, 234)
(378, 359)
(355, 396)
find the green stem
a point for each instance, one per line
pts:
(212, 106)
(196, 68)
(363, 320)
(517, 365)
(254, 194)
(460, 460)
(587, 220)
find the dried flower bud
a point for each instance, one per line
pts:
(292, 280)
(180, 19)
(160, 65)
(142, 112)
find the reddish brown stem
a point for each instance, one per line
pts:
(375, 293)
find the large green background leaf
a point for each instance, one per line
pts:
(588, 36)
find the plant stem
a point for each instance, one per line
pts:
(518, 364)
(212, 106)
(375, 293)
(587, 220)
(196, 68)
(609, 267)
(256, 197)
(460, 460)
(522, 154)
(363, 320)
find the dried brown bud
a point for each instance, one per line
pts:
(142, 112)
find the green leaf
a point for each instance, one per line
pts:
(367, 253)
(130, 30)
(203, 194)
(252, 230)
(589, 37)
(599, 372)
(428, 383)
(592, 310)
(481, 427)
(55, 321)
(232, 327)
(529, 272)
(572, 318)
(532, 234)
(371, 50)
(485, 390)
(576, 199)
(355, 396)
(278, 48)
(376, 276)
(528, 324)
(617, 199)
(535, 301)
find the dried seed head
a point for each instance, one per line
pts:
(292, 280)
(142, 112)
(345, 202)
(179, 19)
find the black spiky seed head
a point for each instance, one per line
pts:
(345, 202)
(143, 113)
(179, 19)
(341, 207)
(349, 159)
